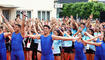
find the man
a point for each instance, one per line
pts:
(46, 42)
(16, 39)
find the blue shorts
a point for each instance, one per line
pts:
(47, 57)
(97, 57)
(82, 57)
(17, 55)
(3, 54)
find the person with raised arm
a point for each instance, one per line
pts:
(100, 48)
(3, 36)
(16, 39)
(46, 42)
(83, 27)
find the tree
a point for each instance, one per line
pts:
(83, 9)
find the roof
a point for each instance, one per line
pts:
(7, 6)
(71, 1)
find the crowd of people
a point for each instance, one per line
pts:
(55, 39)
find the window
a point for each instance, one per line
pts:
(48, 15)
(27, 12)
(6, 14)
(39, 15)
(45, 15)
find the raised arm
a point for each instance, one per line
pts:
(89, 35)
(74, 22)
(7, 34)
(35, 29)
(23, 25)
(79, 30)
(61, 31)
(94, 38)
(92, 43)
(63, 38)
(7, 23)
(33, 36)
(88, 21)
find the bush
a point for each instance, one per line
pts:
(83, 9)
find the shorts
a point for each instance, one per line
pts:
(39, 51)
(90, 51)
(68, 50)
(57, 54)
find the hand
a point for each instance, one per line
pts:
(83, 41)
(99, 35)
(91, 16)
(85, 33)
(52, 47)
(71, 17)
(76, 38)
(2, 15)
(74, 35)
(26, 36)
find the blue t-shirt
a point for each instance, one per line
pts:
(103, 50)
(16, 42)
(35, 40)
(73, 31)
(56, 45)
(46, 44)
(67, 43)
(96, 33)
(88, 45)
(2, 41)
(98, 48)
(84, 30)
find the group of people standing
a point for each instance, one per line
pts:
(52, 39)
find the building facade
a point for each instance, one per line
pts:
(42, 9)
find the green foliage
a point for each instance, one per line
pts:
(83, 9)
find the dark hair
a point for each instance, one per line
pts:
(1, 27)
(63, 24)
(17, 15)
(75, 27)
(92, 31)
(70, 32)
(82, 23)
(59, 33)
(47, 26)
(104, 37)
(18, 25)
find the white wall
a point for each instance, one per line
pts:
(34, 5)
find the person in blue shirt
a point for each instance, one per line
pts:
(67, 46)
(56, 46)
(100, 48)
(79, 48)
(82, 29)
(16, 39)
(90, 49)
(3, 36)
(46, 42)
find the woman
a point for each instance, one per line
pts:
(67, 45)
(68, 51)
(100, 48)
(29, 48)
(79, 47)
(90, 49)
(39, 47)
(56, 45)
